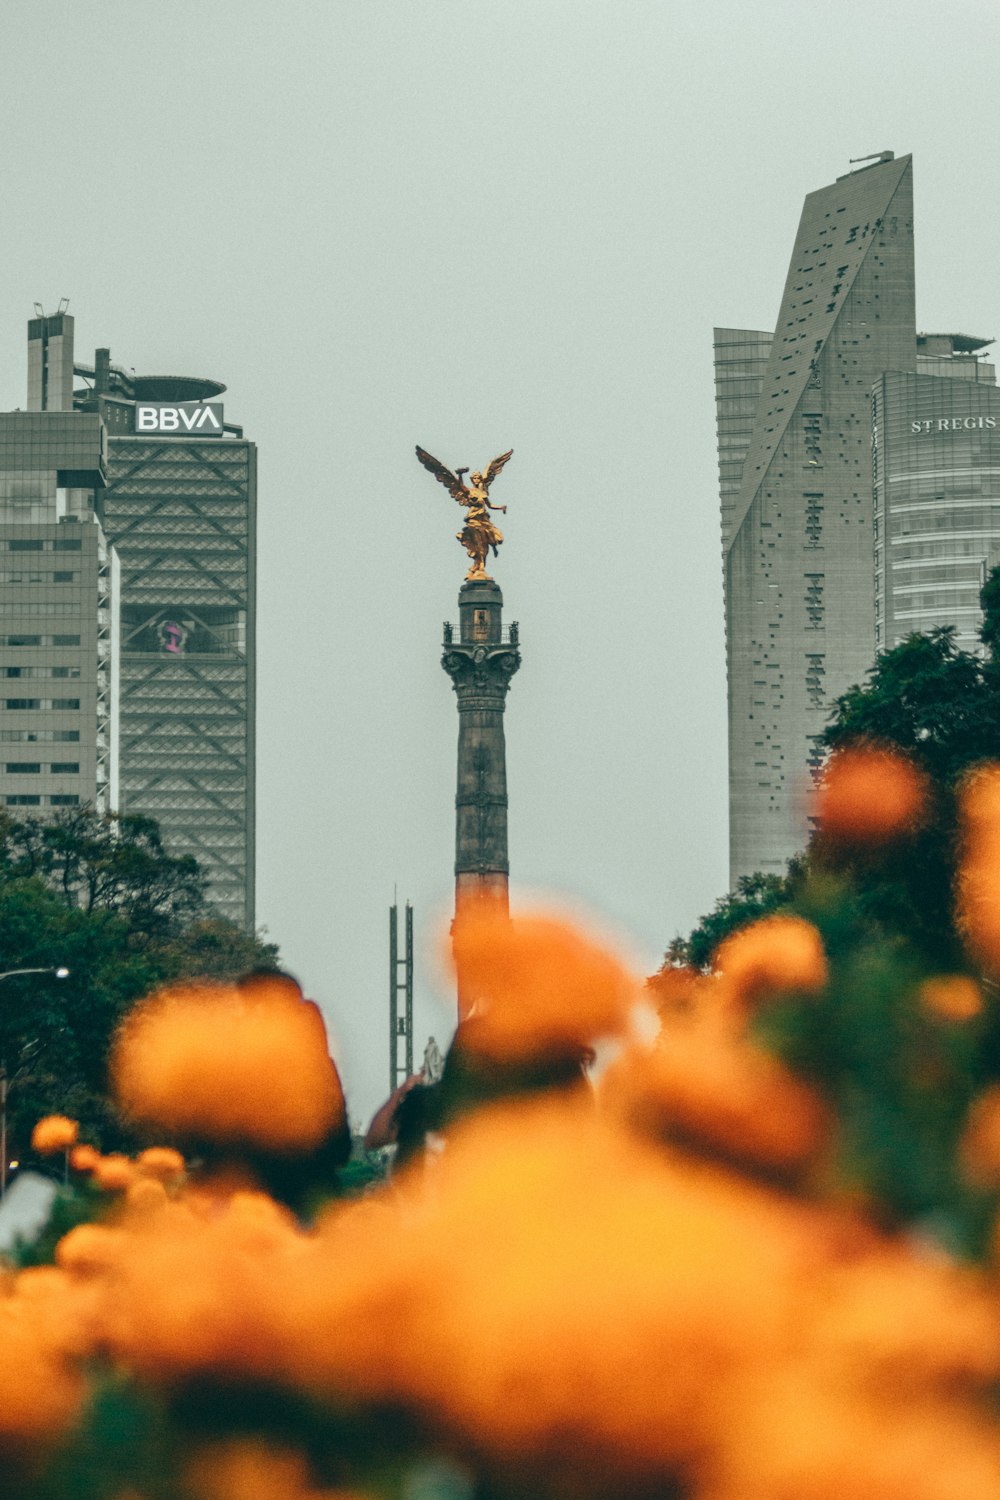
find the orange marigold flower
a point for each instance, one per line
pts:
(54, 1133)
(214, 1062)
(540, 986)
(250, 1469)
(84, 1158)
(953, 997)
(978, 905)
(870, 795)
(778, 953)
(722, 1094)
(41, 1381)
(979, 1148)
(114, 1173)
(162, 1162)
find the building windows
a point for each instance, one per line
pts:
(35, 736)
(63, 799)
(23, 768)
(65, 768)
(25, 546)
(15, 704)
(67, 544)
(23, 799)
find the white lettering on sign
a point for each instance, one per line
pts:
(200, 418)
(953, 424)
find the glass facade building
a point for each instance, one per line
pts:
(58, 616)
(936, 471)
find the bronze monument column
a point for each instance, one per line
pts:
(480, 662)
(480, 658)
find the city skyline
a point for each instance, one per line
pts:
(294, 200)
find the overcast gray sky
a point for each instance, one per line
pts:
(474, 226)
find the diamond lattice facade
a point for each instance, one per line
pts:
(180, 508)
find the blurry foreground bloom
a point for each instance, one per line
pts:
(870, 795)
(54, 1133)
(43, 1337)
(541, 986)
(84, 1158)
(953, 997)
(773, 955)
(250, 1469)
(162, 1162)
(231, 1066)
(979, 874)
(113, 1173)
(702, 1086)
(979, 1149)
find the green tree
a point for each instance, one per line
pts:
(103, 898)
(939, 704)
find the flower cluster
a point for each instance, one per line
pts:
(657, 1284)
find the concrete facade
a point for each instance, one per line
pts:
(798, 532)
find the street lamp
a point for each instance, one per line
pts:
(60, 973)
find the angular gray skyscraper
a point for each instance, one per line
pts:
(798, 530)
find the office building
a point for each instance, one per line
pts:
(798, 526)
(58, 601)
(936, 471)
(179, 508)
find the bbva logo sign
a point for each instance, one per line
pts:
(188, 419)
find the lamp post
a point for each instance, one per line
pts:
(60, 973)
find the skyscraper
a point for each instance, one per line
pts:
(798, 531)
(936, 471)
(58, 601)
(180, 508)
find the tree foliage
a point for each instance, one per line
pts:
(104, 899)
(939, 704)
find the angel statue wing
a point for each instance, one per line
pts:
(451, 482)
(494, 467)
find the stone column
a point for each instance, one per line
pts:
(480, 662)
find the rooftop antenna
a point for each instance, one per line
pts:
(63, 304)
(40, 310)
(875, 156)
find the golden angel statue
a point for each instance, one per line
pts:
(478, 534)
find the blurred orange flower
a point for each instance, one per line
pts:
(721, 1094)
(776, 954)
(113, 1173)
(54, 1133)
(43, 1337)
(232, 1066)
(84, 1158)
(162, 1162)
(250, 1469)
(953, 997)
(541, 986)
(978, 905)
(870, 794)
(979, 1149)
